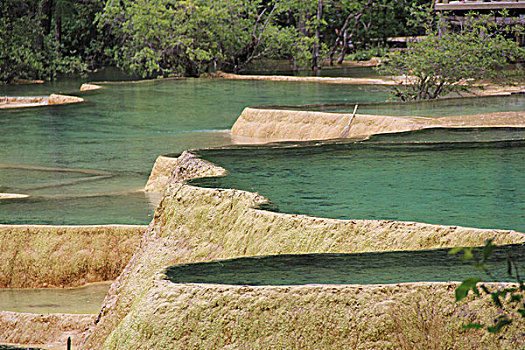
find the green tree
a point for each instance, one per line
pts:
(454, 60)
(189, 37)
(42, 38)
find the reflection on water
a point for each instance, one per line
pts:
(365, 268)
(476, 184)
(83, 300)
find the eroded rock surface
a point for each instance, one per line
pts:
(90, 87)
(43, 329)
(64, 256)
(186, 166)
(22, 102)
(257, 125)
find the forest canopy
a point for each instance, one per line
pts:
(40, 39)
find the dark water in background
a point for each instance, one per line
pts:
(364, 268)
(436, 108)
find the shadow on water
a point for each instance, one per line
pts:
(364, 268)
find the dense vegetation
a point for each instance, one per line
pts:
(42, 38)
(452, 59)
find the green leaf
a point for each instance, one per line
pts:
(481, 267)
(473, 326)
(464, 287)
(502, 322)
(488, 249)
(496, 299)
(467, 254)
(455, 250)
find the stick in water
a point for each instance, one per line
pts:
(345, 131)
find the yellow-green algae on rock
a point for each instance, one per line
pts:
(186, 166)
(50, 330)
(195, 224)
(43, 256)
(401, 316)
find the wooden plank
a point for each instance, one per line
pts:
(478, 5)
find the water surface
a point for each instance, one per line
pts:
(467, 181)
(365, 268)
(83, 300)
(119, 132)
(116, 135)
(436, 108)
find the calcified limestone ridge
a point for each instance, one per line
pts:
(258, 125)
(22, 102)
(38, 329)
(192, 224)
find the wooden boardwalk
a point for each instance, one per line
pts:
(469, 5)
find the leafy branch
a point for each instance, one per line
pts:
(510, 302)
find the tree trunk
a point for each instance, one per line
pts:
(58, 27)
(344, 48)
(45, 13)
(316, 63)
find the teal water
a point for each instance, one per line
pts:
(409, 177)
(87, 163)
(118, 133)
(438, 108)
(364, 268)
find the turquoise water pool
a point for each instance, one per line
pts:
(118, 133)
(437, 108)
(87, 163)
(470, 180)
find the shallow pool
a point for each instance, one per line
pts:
(117, 134)
(83, 300)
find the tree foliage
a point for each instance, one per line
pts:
(509, 302)
(42, 38)
(168, 37)
(454, 60)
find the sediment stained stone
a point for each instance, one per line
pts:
(34, 256)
